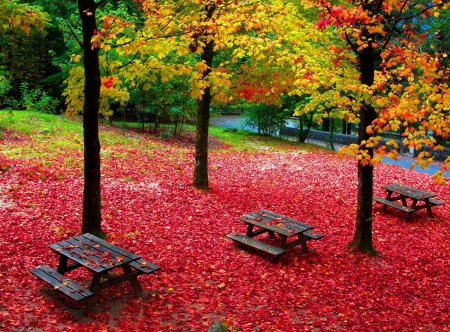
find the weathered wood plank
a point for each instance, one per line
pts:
(248, 241)
(312, 236)
(61, 283)
(144, 266)
(394, 205)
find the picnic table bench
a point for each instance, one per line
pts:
(420, 199)
(99, 257)
(272, 223)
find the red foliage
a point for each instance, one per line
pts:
(252, 93)
(108, 83)
(150, 207)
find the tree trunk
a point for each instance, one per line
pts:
(331, 138)
(91, 194)
(326, 124)
(301, 138)
(362, 240)
(201, 144)
(349, 128)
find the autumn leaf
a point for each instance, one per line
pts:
(151, 213)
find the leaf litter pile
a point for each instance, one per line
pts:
(150, 207)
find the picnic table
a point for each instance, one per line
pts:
(400, 192)
(99, 257)
(273, 223)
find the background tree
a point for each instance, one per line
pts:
(381, 32)
(211, 42)
(20, 24)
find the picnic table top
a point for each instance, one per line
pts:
(95, 254)
(275, 223)
(409, 191)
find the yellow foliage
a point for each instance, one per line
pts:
(75, 96)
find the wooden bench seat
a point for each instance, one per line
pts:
(394, 205)
(312, 236)
(61, 283)
(248, 241)
(435, 202)
(144, 266)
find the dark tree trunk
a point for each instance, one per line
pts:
(326, 124)
(301, 138)
(362, 240)
(91, 195)
(331, 138)
(346, 127)
(201, 145)
(349, 128)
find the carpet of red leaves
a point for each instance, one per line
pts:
(150, 207)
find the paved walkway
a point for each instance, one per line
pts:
(404, 160)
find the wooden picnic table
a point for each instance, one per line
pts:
(99, 257)
(273, 223)
(399, 192)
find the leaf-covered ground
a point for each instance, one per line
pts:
(150, 207)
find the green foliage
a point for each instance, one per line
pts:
(37, 99)
(4, 88)
(24, 16)
(267, 119)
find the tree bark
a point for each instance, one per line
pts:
(362, 240)
(91, 222)
(201, 145)
(326, 124)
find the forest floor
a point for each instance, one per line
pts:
(150, 207)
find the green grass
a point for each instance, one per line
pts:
(35, 123)
(49, 133)
(244, 140)
(59, 131)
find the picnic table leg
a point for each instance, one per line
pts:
(96, 279)
(283, 242)
(427, 202)
(388, 197)
(62, 264)
(414, 204)
(249, 230)
(303, 243)
(133, 280)
(405, 203)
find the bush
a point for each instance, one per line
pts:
(4, 88)
(38, 100)
(266, 119)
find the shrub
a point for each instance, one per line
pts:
(38, 100)
(266, 119)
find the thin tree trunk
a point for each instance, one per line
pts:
(300, 130)
(331, 138)
(362, 240)
(201, 145)
(91, 222)
(326, 124)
